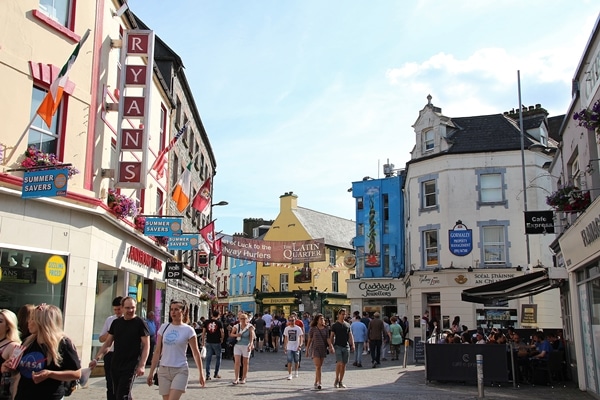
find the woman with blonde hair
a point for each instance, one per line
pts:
(170, 351)
(9, 340)
(49, 357)
(243, 331)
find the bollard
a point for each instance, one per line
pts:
(405, 353)
(479, 376)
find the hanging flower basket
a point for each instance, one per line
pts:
(121, 205)
(35, 158)
(140, 223)
(590, 118)
(569, 199)
(162, 240)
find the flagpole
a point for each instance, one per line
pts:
(12, 152)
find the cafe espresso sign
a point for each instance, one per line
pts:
(376, 289)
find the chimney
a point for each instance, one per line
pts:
(288, 201)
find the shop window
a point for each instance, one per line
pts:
(335, 281)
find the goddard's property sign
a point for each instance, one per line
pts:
(275, 252)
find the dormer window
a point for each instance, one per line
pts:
(428, 140)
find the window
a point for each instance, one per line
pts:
(359, 203)
(386, 213)
(494, 248)
(283, 282)
(332, 258)
(162, 128)
(431, 247)
(57, 10)
(386, 259)
(429, 194)
(159, 201)
(248, 287)
(334, 281)
(575, 172)
(490, 189)
(240, 283)
(175, 168)
(264, 283)
(428, 140)
(360, 229)
(43, 138)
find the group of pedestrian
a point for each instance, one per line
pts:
(38, 359)
(126, 343)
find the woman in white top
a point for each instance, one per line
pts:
(243, 331)
(171, 346)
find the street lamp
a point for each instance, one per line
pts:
(221, 203)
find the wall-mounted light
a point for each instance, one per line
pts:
(470, 269)
(436, 269)
(26, 260)
(12, 261)
(519, 268)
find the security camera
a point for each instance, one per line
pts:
(12, 261)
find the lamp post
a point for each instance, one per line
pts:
(523, 172)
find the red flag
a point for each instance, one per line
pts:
(202, 199)
(218, 252)
(208, 234)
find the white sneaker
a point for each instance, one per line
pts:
(296, 375)
(289, 378)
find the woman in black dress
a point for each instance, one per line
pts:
(317, 345)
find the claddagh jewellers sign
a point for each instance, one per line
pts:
(376, 289)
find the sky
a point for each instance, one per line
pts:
(309, 96)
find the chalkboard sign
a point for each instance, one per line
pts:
(419, 350)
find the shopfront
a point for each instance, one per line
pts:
(580, 246)
(31, 276)
(385, 296)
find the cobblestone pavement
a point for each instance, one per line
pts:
(267, 379)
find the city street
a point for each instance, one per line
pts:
(268, 380)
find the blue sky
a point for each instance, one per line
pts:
(311, 95)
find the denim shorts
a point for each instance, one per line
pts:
(342, 353)
(293, 356)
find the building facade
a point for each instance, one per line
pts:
(316, 286)
(464, 203)
(78, 250)
(577, 248)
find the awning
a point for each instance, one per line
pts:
(498, 293)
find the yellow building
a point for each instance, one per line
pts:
(319, 286)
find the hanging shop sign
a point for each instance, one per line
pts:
(184, 242)
(168, 227)
(460, 239)
(539, 222)
(299, 251)
(48, 183)
(137, 59)
(174, 270)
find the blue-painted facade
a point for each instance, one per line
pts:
(242, 281)
(379, 240)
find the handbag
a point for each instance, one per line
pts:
(155, 376)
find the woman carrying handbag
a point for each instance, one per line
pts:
(171, 347)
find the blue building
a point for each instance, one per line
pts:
(379, 243)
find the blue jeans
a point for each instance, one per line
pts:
(213, 348)
(358, 350)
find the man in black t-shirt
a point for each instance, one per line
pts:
(131, 337)
(341, 341)
(213, 335)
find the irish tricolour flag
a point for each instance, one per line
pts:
(182, 192)
(52, 100)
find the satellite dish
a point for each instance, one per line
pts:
(349, 261)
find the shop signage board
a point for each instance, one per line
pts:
(168, 227)
(174, 270)
(48, 183)
(539, 222)
(184, 242)
(460, 240)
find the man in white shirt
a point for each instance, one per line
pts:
(118, 313)
(268, 323)
(293, 338)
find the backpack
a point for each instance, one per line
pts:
(276, 327)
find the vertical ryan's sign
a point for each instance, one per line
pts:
(137, 60)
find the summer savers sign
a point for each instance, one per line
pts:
(275, 252)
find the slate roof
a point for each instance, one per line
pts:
(554, 124)
(485, 133)
(337, 232)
